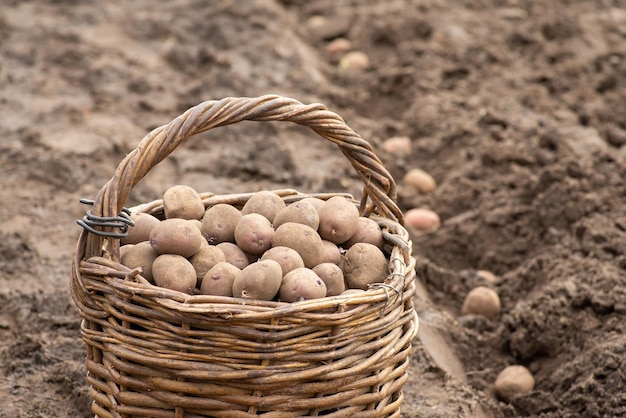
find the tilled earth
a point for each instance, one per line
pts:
(517, 108)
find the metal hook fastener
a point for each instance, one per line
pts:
(121, 222)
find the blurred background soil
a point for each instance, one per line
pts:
(516, 107)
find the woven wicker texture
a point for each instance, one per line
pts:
(154, 352)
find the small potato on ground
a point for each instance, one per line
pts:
(175, 272)
(423, 220)
(301, 284)
(183, 202)
(513, 381)
(420, 180)
(482, 300)
(259, 281)
(218, 281)
(398, 145)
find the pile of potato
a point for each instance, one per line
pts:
(268, 250)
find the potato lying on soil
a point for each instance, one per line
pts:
(338, 219)
(176, 236)
(144, 223)
(332, 252)
(175, 272)
(332, 276)
(208, 256)
(234, 255)
(423, 220)
(259, 281)
(483, 301)
(367, 230)
(420, 180)
(288, 258)
(299, 212)
(140, 255)
(254, 233)
(304, 239)
(218, 281)
(363, 265)
(301, 284)
(183, 202)
(265, 203)
(513, 381)
(219, 223)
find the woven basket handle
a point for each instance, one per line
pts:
(379, 185)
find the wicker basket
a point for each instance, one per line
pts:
(154, 352)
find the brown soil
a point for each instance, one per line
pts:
(517, 108)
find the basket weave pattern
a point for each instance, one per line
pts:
(154, 352)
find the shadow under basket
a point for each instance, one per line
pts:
(154, 352)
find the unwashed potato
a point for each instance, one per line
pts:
(398, 145)
(259, 281)
(301, 284)
(315, 201)
(125, 248)
(304, 239)
(338, 219)
(265, 203)
(301, 212)
(234, 255)
(513, 381)
(332, 252)
(144, 222)
(355, 60)
(140, 255)
(420, 180)
(218, 281)
(424, 220)
(332, 276)
(183, 202)
(197, 223)
(175, 272)
(219, 223)
(288, 258)
(368, 231)
(364, 264)
(254, 233)
(208, 256)
(482, 300)
(176, 236)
